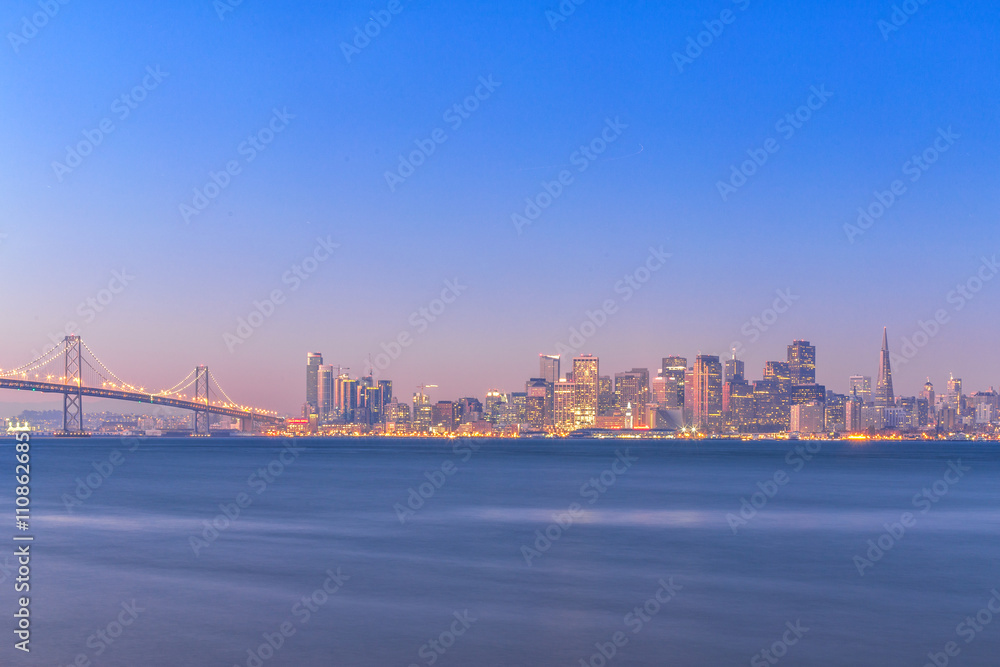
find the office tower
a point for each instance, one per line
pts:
(909, 406)
(689, 395)
(738, 405)
(350, 397)
(802, 362)
(769, 407)
(923, 413)
(707, 390)
(605, 396)
(585, 377)
(397, 414)
(494, 400)
(734, 370)
(658, 390)
(517, 408)
(470, 410)
(564, 403)
(836, 411)
(385, 386)
(674, 369)
(313, 361)
(780, 373)
(861, 387)
(808, 393)
(444, 416)
(324, 392)
(955, 393)
(883, 387)
(928, 395)
(548, 368)
(538, 391)
(807, 418)
(632, 389)
(423, 412)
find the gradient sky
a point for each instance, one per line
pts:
(323, 176)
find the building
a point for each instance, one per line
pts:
(836, 411)
(536, 416)
(707, 390)
(860, 386)
(955, 393)
(658, 389)
(769, 406)
(605, 396)
(808, 418)
(324, 392)
(674, 371)
(548, 370)
(738, 405)
(733, 370)
(928, 395)
(632, 389)
(564, 403)
(586, 378)
(802, 362)
(444, 416)
(884, 396)
(313, 361)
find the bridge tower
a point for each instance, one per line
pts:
(201, 417)
(73, 401)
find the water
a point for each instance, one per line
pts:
(330, 507)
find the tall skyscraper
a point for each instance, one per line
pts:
(802, 362)
(884, 396)
(324, 393)
(928, 395)
(707, 390)
(860, 386)
(548, 368)
(313, 361)
(658, 389)
(565, 398)
(674, 369)
(955, 393)
(605, 395)
(586, 378)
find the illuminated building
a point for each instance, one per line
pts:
(884, 397)
(658, 390)
(313, 361)
(632, 388)
(585, 377)
(836, 412)
(928, 395)
(494, 401)
(548, 370)
(674, 369)
(324, 392)
(707, 391)
(564, 405)
(605, 396)
(738, 405)
(807, 418)
(780, 373)
(537, 390)
(733, 370)
(955, 393)
(802, 362)
(444, 416)
(861, 387)
(769, 408)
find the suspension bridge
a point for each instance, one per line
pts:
(84, 374)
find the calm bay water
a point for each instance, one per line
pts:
(660, 519)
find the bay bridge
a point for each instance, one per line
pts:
(84, 374)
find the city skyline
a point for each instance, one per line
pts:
(819, 230)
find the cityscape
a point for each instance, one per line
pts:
(709, 396)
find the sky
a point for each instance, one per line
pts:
(249, 156)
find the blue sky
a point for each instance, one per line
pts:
(656, 184)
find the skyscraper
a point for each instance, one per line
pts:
(802, 362)
(313, 361)
(928, 395)
(707, 389)
(734, 370)
(860, 386)
(884, 396)
(548, 368)
(324, 393)
(674, 369)
(585, 377)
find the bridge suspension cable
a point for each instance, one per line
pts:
(54, 354)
